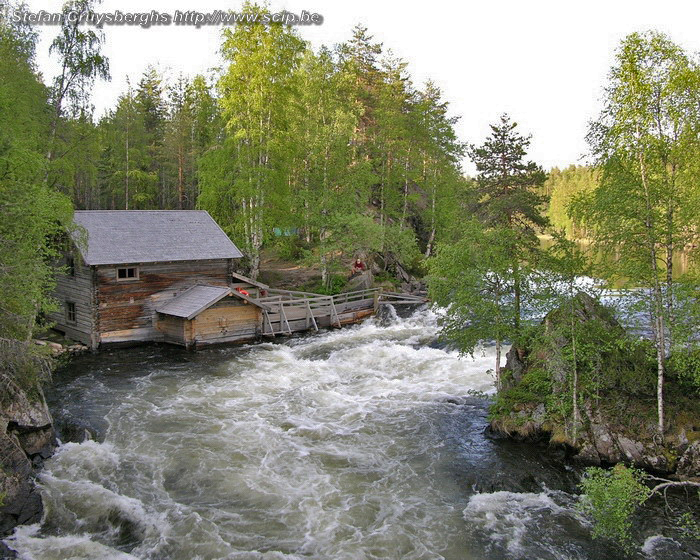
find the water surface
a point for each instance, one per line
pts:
(360, 443)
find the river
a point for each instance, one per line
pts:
(359, 443)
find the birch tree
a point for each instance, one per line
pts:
(246, 184)
(645, 209)
(82, 62)
(473, 280)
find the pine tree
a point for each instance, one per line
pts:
(508, 190)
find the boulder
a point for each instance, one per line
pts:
(27, 438)
(689, 463)
(359, 281)
(22, 501)
(25, 412)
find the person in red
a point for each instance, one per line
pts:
(358, 266)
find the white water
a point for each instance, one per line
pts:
(352, 444)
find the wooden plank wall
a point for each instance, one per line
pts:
(172, 328)
(127, 308)
(77, 289)
(226, 321)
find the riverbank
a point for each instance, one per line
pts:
(27, 435)
(616, 396)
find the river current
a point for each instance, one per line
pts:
(360, 443)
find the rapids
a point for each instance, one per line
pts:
(360, 443)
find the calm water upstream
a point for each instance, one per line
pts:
(359, 443)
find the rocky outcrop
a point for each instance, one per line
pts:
(360, 281)
(58, 349)
(617, 419)
(26, 438)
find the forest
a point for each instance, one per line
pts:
(330, 153)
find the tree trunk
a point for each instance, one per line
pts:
(516, 295)
(574, 391)
(498, 364)
(325, 277)
(669, 267)
(658, 306)
(180, 178)
(660, 360)
(404, 210)
(126, 177)
(431, 239)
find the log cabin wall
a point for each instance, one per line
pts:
(75, 289)
(172, 328)
(126, 309)
(226, 321)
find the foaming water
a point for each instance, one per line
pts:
(355, 443)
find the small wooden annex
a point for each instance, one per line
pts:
(137, 276)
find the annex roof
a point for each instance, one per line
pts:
(141, 236)
(193, 301)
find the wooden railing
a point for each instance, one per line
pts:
(316, 306)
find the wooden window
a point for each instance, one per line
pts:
(70, 312)
(128, 273)
(70, 266)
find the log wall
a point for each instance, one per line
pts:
(226, 321)
(126, 310)
(77, 289)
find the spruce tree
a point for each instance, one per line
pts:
(509, 197)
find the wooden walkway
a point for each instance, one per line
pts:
(287, 311)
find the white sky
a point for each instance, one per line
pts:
(543, 61)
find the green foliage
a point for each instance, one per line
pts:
(290, 247)
(401, 244)
(562, 186)
(507, 184)
(24, 367)
(645, 208)
(335, 285)
(33, 214)
(509, 199)
(317, 141)
(536, 387)
(245, 182)
(78, 48)
(610, 497)
(473, 280)
(482, 277)
(688, 526)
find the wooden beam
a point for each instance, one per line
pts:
(283, 315)
(313, 319)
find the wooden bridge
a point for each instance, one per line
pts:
(287, 311)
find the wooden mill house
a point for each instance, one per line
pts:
(169, 276)
(153, 275)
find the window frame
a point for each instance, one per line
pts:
(128, 278)
(71, 309)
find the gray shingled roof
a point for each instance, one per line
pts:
(140, 236)
(193, 301)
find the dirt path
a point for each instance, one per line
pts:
(286, 274)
